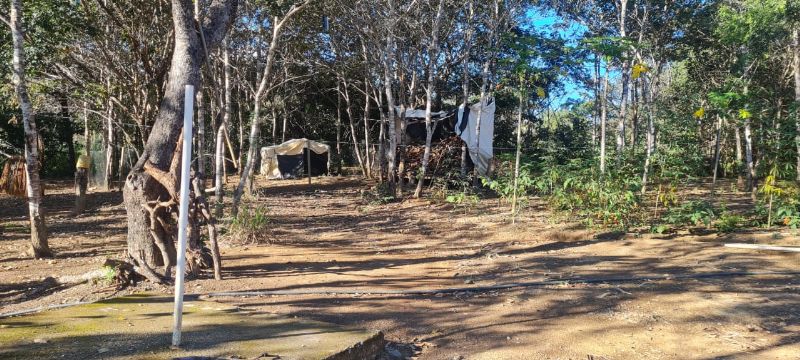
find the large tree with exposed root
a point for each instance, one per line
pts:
(151, 188)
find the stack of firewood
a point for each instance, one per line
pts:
(13, 178)
(445, 156)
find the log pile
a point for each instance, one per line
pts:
(13, 178)
(445, 157)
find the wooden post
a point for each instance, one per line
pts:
(308, 161)
(81, 184)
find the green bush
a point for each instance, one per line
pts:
(729, 222)
(609, 202)
(250, 226)
(464, 200)
(691, 213)
(378, 195)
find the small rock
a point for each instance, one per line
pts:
(458, 357)
(469, 281)
(40, 341)
(439, 295)
(102, 350)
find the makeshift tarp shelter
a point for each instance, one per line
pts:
(290, 159)
(480, 146)
(415, 125)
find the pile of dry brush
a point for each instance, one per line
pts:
(13, 179)
(445, 157)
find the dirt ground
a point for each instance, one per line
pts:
(326, 237)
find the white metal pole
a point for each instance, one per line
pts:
(183, 216)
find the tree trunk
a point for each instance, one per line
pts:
(67, 131)
(87, 134)
(796, 58)
(39, 246)
(465, 79)
(367, 162)
(285, 123)
(493, 32)
(219, 153)
(81, 185)
(274, 123)
(716, 153)
(201, 134)
(603, 121)
(391, 155)
(381, 138)
(338, 128)
(650, 142)
(634, 116)
(518, 153)
(240, 157)
(349, 110)
(739, 157)
(429, 127)
(596, 90)
(151, 186)
(121, 167)
(255, 126)
(625, 77)
(108, 173)
(751, 170)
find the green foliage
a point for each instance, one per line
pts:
(503, 182)
(787, 215)
(575, 189)
(463, 200)
(729, 222)
(250, 226)
(785, 209)
(109, 274)
(693, 213)
(378, 195)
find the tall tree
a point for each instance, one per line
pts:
(796, 63)
(245, 182)
(433, 53)
(151, 187)
(39, 245)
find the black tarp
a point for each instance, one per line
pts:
(293, 166)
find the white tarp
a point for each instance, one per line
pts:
(418, 113)
(480, 149)
(269, 154)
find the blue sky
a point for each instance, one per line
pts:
(542, 20)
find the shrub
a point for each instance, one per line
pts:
(463, 199)
(728, 222)
(250, 226)
(575, 188)
(378, 195)
(691, 213)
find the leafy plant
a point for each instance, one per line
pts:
(729, 222)
(378, 195)
(503, 185)
(691, 213)
(788, 215)
(250, 226)
(770, 190)
(574, 188)
(463, 200)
